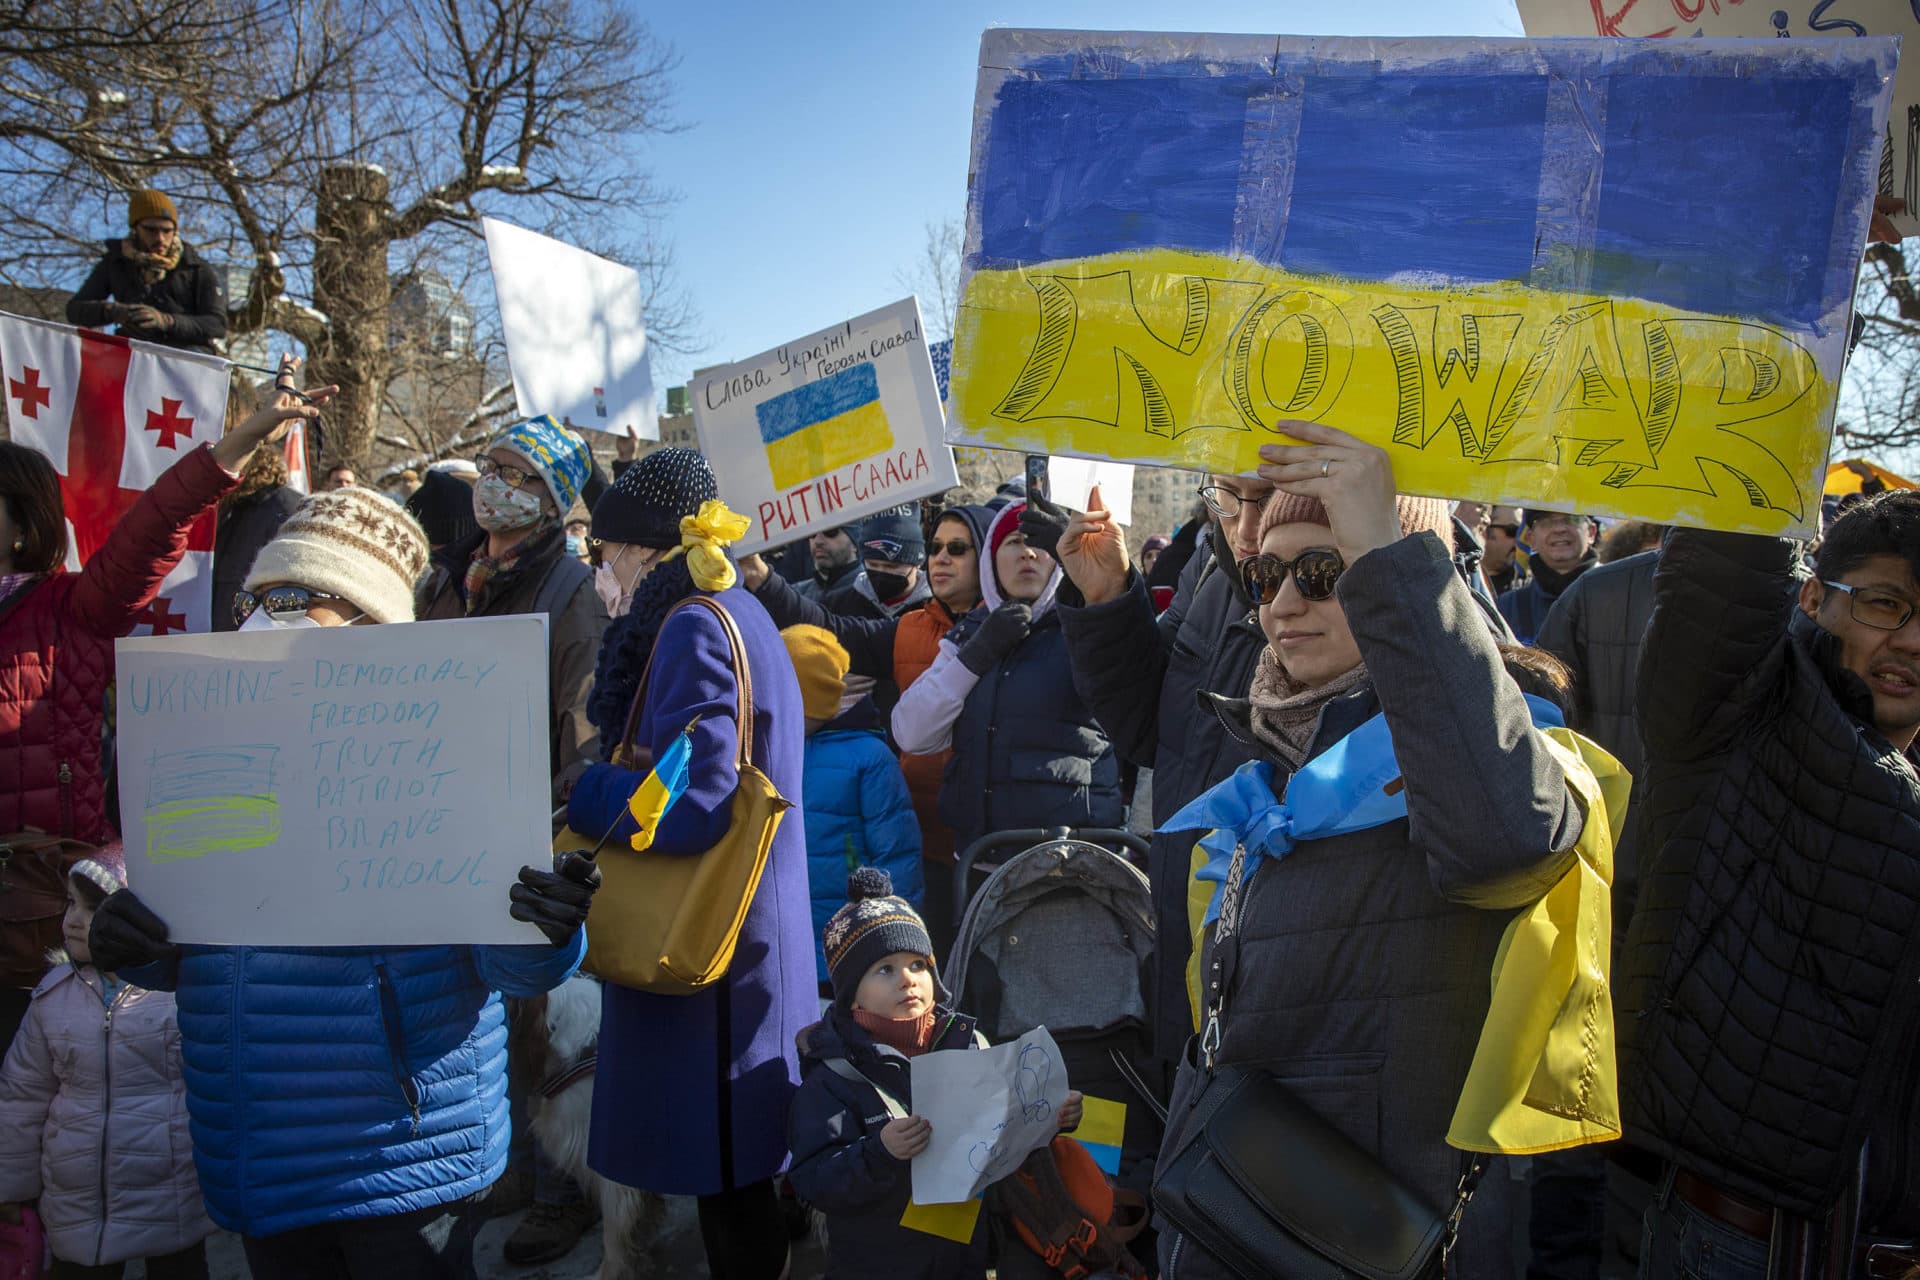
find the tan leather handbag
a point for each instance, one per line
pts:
(669, 923)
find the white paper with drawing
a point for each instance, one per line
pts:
(988, 1108)
(336, 786)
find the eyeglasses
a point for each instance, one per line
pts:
(283, 604)
(1877, 609)
(1555, 522)
(1225, 503)
(955, 549)
(1315, 571)
(514, 477)
(832, 532)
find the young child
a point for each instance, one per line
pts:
(850, 1160)
(93, 1113)
(858, 810)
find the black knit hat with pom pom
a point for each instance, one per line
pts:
(873, 925)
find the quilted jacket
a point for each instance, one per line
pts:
(347, 1082)
(858, 814)
(56, 654)
(1769, 994)
(93, 1121)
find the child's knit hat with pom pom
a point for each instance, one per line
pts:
(873, 925)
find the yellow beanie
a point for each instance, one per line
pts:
(821, 664)
(150, 204)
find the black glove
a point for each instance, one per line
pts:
(996, 637)
(556, 900)
(1043, 524)
(125, 932)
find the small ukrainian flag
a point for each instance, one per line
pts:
(811, 430)
(657, 792)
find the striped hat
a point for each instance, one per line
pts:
(354, 543)
(872, 926)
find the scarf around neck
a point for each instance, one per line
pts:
(153, 266)
(1285, 712)
(1553, 582)
(484, 568)
(910, 1036)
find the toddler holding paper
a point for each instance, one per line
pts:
(851, 1128)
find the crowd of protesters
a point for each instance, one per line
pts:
(926, 678)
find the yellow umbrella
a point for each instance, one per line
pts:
(1846, 477)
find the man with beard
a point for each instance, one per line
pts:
(1562, 546)
(836, 562)
(1142, 675)
(152, 284)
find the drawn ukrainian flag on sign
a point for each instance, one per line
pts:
(1612, 274)
(826, 424)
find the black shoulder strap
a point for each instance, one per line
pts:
(564, 577)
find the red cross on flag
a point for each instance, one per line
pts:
(113, 414)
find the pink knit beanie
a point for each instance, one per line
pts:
(1416, 514)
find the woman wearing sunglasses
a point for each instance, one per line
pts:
(1363, 962)
(343, 1100)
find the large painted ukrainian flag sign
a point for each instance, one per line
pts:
(827, 428)
(1613, 275)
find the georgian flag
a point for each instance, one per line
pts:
(112, 414)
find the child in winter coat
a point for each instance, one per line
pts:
(858, 810)
(851, 1160)
(93, 1113)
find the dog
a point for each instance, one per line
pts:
(549, 1037)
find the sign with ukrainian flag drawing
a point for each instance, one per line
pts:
(819, 432)
(1612, 275)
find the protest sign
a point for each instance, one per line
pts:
(1899, 173)
(822, 431)
(141, 407)
(576, 332)
(1560, 270)
(336, 786)
(988, 1108)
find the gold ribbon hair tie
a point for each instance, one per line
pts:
(704, 538)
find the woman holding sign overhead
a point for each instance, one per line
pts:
(694, 1088)
(343, 1100)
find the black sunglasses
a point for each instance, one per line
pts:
(956, 548)
(1315, 571)
(283, 604)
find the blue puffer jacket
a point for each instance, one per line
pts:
(347, 1082)
(858, 813)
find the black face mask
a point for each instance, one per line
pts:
(889, 586)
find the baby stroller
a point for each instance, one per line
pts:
(1061, 935)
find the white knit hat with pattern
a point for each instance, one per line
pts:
(353, 543)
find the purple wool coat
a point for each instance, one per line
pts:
(691, 1093)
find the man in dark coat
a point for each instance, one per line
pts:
(1769, 993)
(836, 562)
(1143, 676)
(152, 284)
(1562, 550)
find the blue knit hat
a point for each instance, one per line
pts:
(560, 458)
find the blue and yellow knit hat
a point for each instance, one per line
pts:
(873, 925)
(560, 458)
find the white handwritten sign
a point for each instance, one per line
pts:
(336, 786)
(822, 431)
(988, 1109)
(576, 332)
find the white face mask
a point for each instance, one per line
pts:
(260, 620)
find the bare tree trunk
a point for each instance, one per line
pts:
(352, 222)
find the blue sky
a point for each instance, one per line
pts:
(823, 138)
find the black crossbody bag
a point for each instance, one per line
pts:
(1269, 1187)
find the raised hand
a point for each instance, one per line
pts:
(1351, 478)
(1093, 553)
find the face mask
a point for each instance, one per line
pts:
(606, 585)
(575, 544)
(888, 586)
(260, 620)
(497, 507)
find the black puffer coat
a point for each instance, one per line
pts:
(841, 1168)
(1143, 677)
(1769, 994)
(246, 525)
